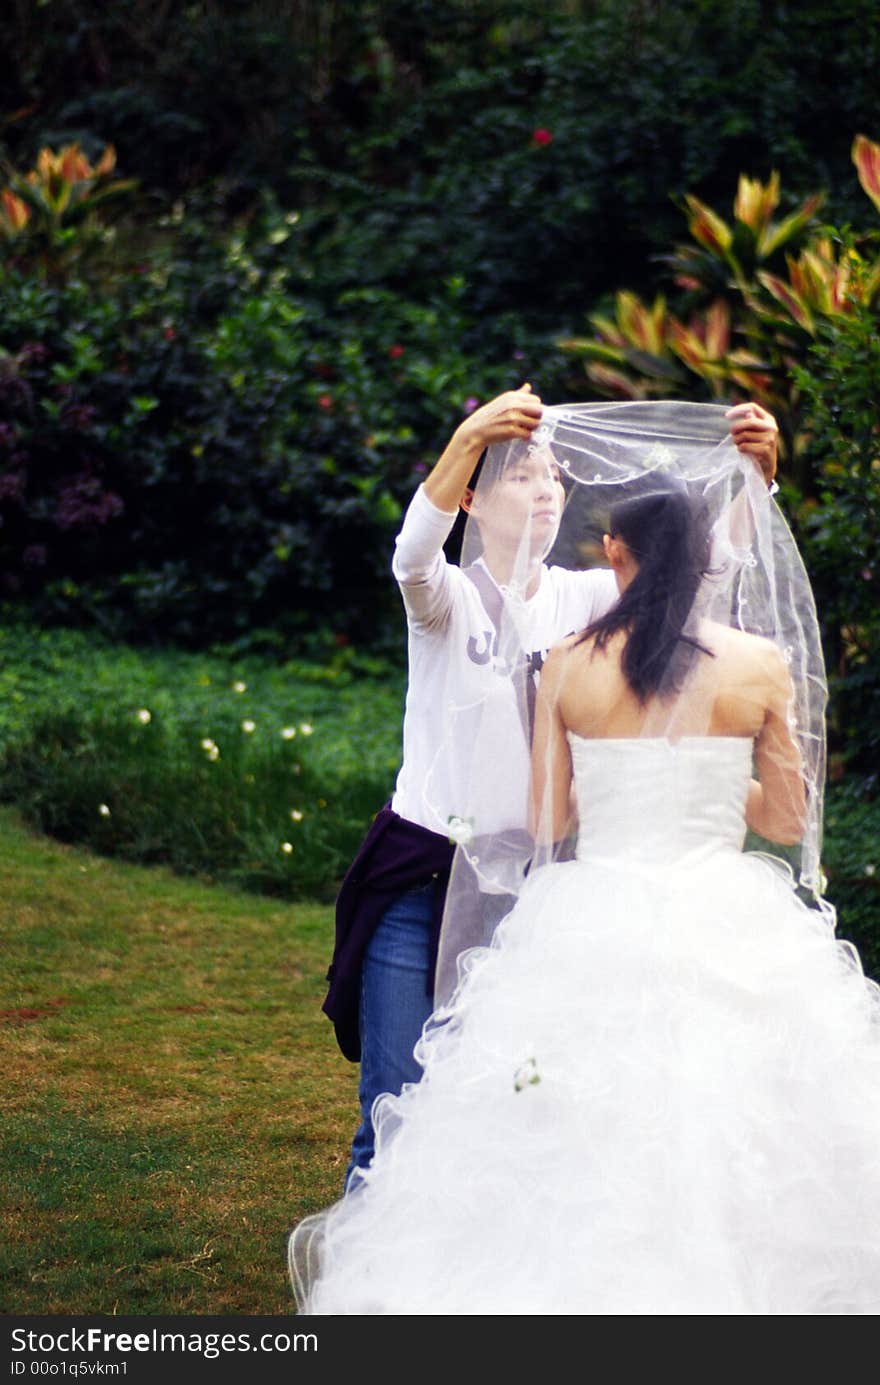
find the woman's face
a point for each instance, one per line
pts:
(526, 500)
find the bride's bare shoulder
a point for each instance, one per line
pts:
(753, 657)
(557, 659)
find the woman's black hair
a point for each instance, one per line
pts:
(669, 539)
(478, 469)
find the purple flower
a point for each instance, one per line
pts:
(12, 485)
(78, 416)
(83, 503)
(470, 404)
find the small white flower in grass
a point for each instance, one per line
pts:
(144, 716)
(103, 810)
(870, 870)
(239, 687)
(286, 847)
(296, 814)
(206, 743)
(461, 830)
(288, 733)
(248, 726)
(306, 728)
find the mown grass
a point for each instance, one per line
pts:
(174, 1099)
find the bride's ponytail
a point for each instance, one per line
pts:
(669, 541)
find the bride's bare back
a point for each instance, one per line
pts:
(740, 687)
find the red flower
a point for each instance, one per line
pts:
(542, 136)
(395, 351)
(169, 334)
(325, 401)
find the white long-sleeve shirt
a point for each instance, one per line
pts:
(460, 693)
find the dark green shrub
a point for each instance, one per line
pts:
(410, 128)
(852, 863)
(215, 448)
(839, 529)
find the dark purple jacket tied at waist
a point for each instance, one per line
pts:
(395, 856)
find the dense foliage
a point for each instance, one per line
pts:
(209, 445)
(532, 147)
(852, 867)
(839, 529)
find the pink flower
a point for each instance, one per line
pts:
(32, 351)
(542, 136)
(325, 401)
(395, 351)
(470, 404)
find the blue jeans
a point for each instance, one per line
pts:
(396, 999)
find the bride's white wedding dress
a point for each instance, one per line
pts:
(657, 1092)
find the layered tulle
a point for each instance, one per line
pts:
(658, 1092)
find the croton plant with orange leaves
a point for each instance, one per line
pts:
(754, 291)
(53, 213)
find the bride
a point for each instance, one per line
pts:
(654, 1088)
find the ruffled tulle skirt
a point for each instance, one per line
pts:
(658, 1092)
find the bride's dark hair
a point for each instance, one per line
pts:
(669, 539)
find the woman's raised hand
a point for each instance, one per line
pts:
(756, 433)
(514, 414)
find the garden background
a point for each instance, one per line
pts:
(259, 258)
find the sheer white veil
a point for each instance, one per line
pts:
(750, 580)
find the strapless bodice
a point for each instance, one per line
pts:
(653, 799)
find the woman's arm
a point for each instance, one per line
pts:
(755, 434)
(777, 801)
(550, 808)
(419, 564)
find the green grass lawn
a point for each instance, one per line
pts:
(174, 1099)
